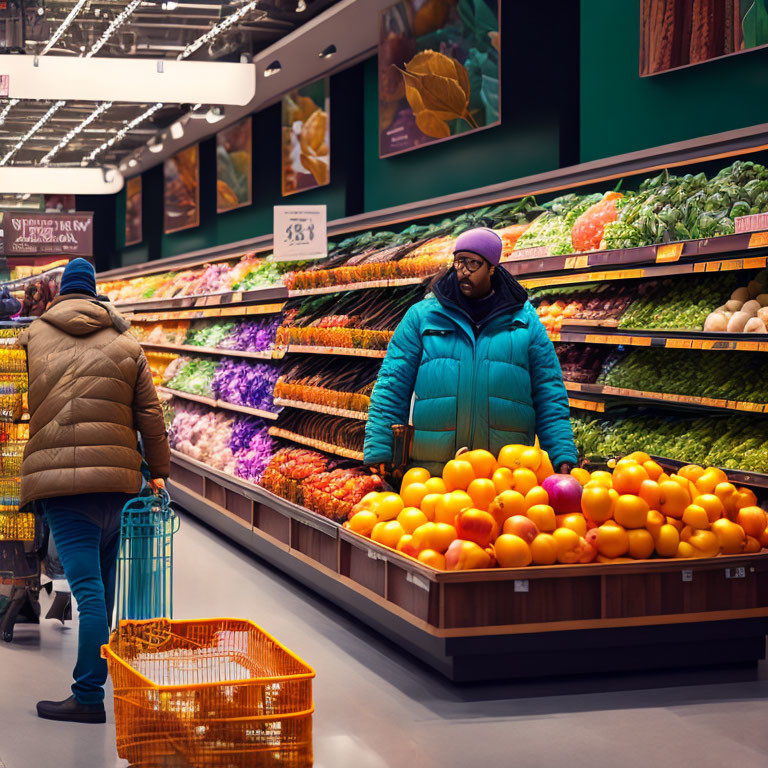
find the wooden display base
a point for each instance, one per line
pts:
(503, 623)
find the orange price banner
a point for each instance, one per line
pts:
(668, 252)
(758, 240)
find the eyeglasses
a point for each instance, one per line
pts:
(468, 265)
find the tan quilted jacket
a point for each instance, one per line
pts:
(90, 390)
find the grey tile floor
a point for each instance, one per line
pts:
(376, 708)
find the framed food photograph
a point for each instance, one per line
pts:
(306, 138)
(133, 233)
(681, 33)
(182, 190)
(439, 71)
(234, 164)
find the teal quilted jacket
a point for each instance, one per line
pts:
(480, 387)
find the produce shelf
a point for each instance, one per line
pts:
(265, 355)
(587, 404)
(361, 286)
(198, 314)
(271, 293)
(218, 403)
(501, 623)
(733, 342)
(682, 257)
(318, 445)
(347, 414)
(666, 398)
(306, 349)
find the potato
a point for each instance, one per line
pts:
(717, 322)
(741, 294)
(754, 325)
(750, 307)
(737, 322)
(762, 299)
(763, 315)
(755, 289)
(734, 305)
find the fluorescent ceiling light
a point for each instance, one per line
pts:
(121, 134)
(51, 181)
(132, 80)
(98, 112)
(56, 36)
(214, 114)
(272, 69)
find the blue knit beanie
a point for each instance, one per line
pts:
(79, 277)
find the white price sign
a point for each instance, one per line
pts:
(300, 232)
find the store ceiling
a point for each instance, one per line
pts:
(36, 132)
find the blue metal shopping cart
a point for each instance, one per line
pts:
(145, 560)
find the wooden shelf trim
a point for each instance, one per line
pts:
(345, 413)
(209, 401)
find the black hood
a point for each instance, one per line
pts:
(510, 294)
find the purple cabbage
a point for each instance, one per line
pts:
(253, 335)
(245, 383)
(251, 446)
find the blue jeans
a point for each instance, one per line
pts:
(86, 531)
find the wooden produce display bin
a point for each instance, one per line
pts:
(501, 623)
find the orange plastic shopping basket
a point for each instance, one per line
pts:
(218, 693)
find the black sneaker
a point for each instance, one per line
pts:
(71, 711)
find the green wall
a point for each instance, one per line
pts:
(622, 112)
(538, 130)
(256, 219)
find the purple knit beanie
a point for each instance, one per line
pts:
(482, 242)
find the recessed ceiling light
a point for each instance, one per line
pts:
(156, 147)
(177, 130)
(301, 6)
(214, 114)
(272, 69)
(132, 163)
(326, 53)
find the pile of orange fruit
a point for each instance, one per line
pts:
(486, 511)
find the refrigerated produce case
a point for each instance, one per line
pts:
(331, 325)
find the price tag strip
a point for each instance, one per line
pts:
(316, 444)
(345, 413)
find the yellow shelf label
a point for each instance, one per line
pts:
(758, 240)
(679, 343)
(668, 253)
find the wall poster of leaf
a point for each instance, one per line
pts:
(133, 233)
(233, 166)
(439, 71)
(306, 138)
(679, 33)
(182, 190)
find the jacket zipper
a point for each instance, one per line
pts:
(473, 420)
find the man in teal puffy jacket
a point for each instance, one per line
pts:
(473, 366)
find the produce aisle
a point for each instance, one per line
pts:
(377, 708)
(656, 298)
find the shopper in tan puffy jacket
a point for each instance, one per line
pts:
(90, 391)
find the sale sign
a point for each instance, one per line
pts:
(32, 234)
